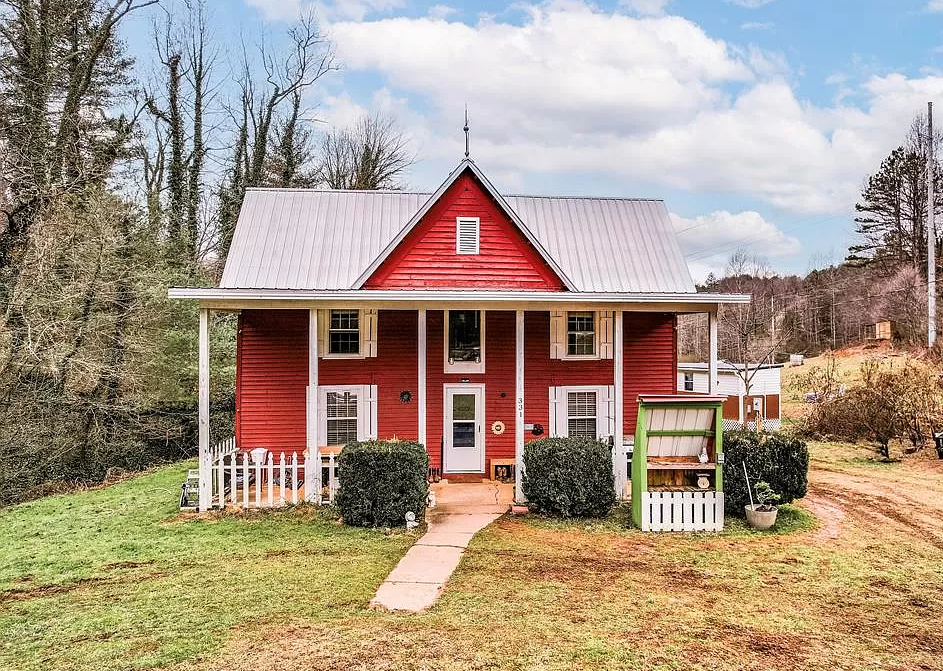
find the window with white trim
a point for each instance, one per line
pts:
(346, 414)
(689, 381)
(464, 341)
(583, 411)
(581, 334)
(467, 235)
(344, 332)
(581, 407)
(341, 409)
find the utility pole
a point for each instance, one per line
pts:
(931, 234)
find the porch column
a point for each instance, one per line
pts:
(519, 402)
(618, 450)
(312, 453)
(206, 459)
(421, 384)
(712, 352)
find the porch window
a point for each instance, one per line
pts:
(342, 421)
(581, 414)
(689, 381)
(344, 332)
(464, 346)
(581, 334)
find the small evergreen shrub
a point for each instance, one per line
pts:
(380, 481)
(779, 459)
(571, 477)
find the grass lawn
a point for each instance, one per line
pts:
(113, 579)
(110, 579)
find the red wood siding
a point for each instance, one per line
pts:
(498, 378)
(393, 370)
(272, 374)
(427, 258)
(651, 359)
(271, 379)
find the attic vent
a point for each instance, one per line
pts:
(466, 235)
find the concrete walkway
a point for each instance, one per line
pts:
(461, 511)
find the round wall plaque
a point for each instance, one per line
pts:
(497, 428)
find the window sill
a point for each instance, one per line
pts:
(342, 356)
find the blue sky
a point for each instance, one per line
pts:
(756, 120)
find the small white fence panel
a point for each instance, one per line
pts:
(238, 479)
(682, 511)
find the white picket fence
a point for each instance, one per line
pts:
(682, 511)
(237, 479)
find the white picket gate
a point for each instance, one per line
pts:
(682, 511)
(239, 480)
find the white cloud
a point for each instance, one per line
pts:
(935, 6)
(646, 7)
(707, 241)
(327, 10)
(757, 25)
(441, 11)
(650, 100)
(753, 4)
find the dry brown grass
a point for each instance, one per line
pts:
(862, 591)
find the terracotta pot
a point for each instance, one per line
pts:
(760, 519)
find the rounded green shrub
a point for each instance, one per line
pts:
(779, 459)
(571, 477)
(380, 481)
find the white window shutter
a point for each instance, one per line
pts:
(605, 413)
(322, 413)
(367, 412)
(557, 335)
(368, 333)
(604, 324)
(557, 427)
(324, 324)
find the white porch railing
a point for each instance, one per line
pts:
(682, 511)
(269, 481)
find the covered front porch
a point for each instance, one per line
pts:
(473, 421)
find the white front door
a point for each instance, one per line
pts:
(464, 428)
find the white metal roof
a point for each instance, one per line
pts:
(308, 239)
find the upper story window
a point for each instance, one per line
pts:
(344, 332)
(581, 334)
(689, 381)
(467, 233)
(464, 341)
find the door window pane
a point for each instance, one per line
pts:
(463, 434)
(464, 335)
(463, 407)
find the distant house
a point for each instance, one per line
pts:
(465, 319)
(740, 409)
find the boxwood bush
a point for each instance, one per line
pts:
(780, 459)
(380, 481)
(571, 477)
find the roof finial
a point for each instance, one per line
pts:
(466, 131)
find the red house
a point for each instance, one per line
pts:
(465, 319)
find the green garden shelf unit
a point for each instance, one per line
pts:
(677, 464)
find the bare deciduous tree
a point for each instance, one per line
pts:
(373, 154)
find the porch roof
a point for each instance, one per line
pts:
(227, 298)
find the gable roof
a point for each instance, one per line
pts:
(469, 165)
(333, 240)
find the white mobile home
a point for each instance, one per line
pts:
(740, 409)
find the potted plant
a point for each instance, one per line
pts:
(761, 515)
